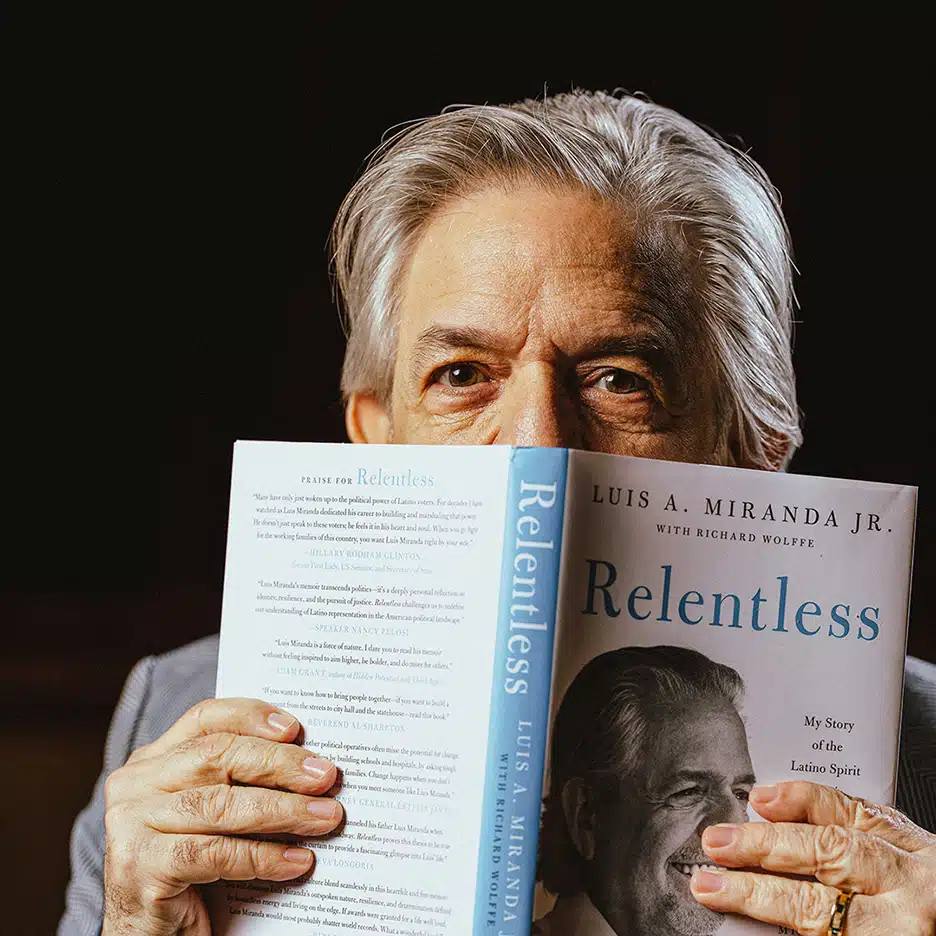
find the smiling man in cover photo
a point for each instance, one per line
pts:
(648, 750)
(590, 271)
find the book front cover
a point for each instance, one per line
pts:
(718, 627)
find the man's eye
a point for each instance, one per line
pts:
(459, 375)
(686, 797)
(617, 380)
(742, 795)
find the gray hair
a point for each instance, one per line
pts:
(626, 150)
(604, 728)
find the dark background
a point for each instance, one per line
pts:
(166, 204)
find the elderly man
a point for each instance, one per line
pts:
(648, 749)
(585, 271)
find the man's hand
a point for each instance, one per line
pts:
(182, 809)
(844, 842)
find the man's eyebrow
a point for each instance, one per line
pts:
(440, 339)
(704, 775)
(444, 337)
(652, 345)
(649, 345)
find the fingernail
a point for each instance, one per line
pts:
(323, 808)
(707, 882)
(281, 721)
(718, 836)
(765, 794)
(299, 856)
(316, 767)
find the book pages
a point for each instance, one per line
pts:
(361, 592)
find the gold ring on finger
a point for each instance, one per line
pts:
(840, 913)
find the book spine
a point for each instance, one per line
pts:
(519, 711)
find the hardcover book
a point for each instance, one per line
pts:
(543, 673)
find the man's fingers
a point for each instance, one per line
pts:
(239, 810)
(235, 716)
(204, 859)
(840, 857)
(801, 801)
(801, 905)
(230, 758)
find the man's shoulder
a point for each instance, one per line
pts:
(916, 776)
(176, 681)
(196, 661)
(919, 713)
(921, 680)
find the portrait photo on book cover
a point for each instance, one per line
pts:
(648, 748)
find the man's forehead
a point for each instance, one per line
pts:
(497, 226)
(560, 260)
(707, 738)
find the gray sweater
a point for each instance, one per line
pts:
(160, 689)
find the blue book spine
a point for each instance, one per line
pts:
(516, 754)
